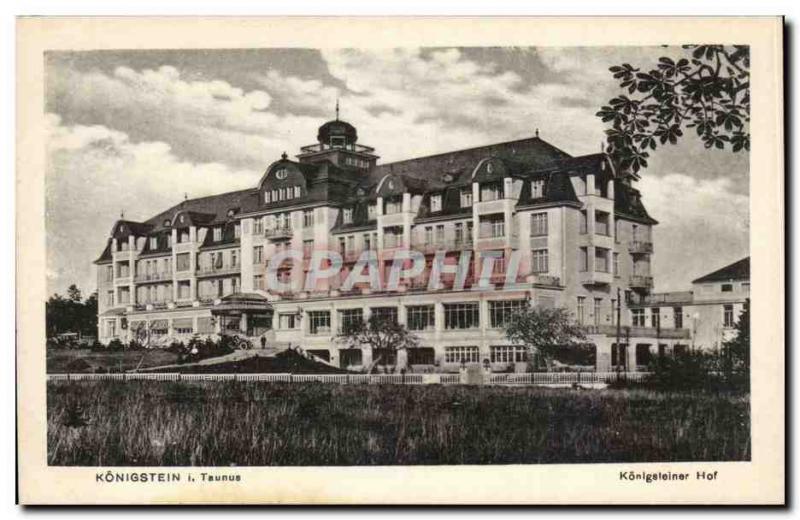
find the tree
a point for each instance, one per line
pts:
(74, 294)
(735, 354)
(708, 91)
(544, 332)
(383, 334)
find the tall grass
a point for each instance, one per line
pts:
(220, 424)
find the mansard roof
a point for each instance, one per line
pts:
(214, 208)
(739, 270)
(628, 204)
(532, 152)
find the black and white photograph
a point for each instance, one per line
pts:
(433, 255)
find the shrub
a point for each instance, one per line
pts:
(115, 345)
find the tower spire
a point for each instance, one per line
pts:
(337, 109)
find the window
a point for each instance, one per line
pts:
(393, 237)
(615, 265)
(182, 262)
(583, 223)
(538, 224)
(746, 286)
(499, 262)
(297, 192)
(501, 311)
(420, 317)
(619, 354)
(347, 216)
(642, 354)
(153, 242)
(349, 319)
(237, 231)
(613, 311)
(109, 273)
(581, 311)
(727, 316)
(428, 235)
(184, 288)
(288, 321)
(655, 317)
(342, 246)
(372, 211)
(440, 234)
(258, 226)
(394, 206)
(462, 315)
(308, 218)
(110, 298)
(466, 198)
(509, 354)
(258, 282)
(601, 259)
(491, 191)
(461, 354)
(183, 326)
(183, 236)
(234, 258)
(583, 259)
(637, 317)
(319, 322)
(169, 240)
(601, 223)
(678, 317)
(385, 313)
(727, 287)
(308, 248)
(351, 243)
(537, 189)
(267, 197)
(539, 261)
(598, 302)
(258, 254)
(436, 203)
(493, 226)
(217, 234)
(421, 356)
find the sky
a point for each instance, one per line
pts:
(137, 131)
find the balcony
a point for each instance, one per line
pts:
(279, 233)
(322, 147)
(640, 247)
(488, 240)
(153, 277)
(444, 245)
(637, 332)
(205, 272)
(595, 278)
(637, 281)
(543, 279)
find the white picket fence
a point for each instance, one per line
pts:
(533, 378)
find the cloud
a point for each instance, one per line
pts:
(704, 225)
(94, 172)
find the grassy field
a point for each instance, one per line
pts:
(72, 360)
(97, 423)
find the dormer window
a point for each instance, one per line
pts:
(372, 211)
(537, 189)
(167, 223)
(281, 174)
(231, 212)
(217, 234)
(237, 231)
(297, 192)
(347, 215)
(337, 141)
(466, 198)
(153, 242)
(436, 203)
(267, 197)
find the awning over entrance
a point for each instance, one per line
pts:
(234, 304)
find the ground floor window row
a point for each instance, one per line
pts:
(456, 316)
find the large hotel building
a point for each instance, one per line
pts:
(577, 225)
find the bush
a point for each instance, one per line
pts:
(115, 345)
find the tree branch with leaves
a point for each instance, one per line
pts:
(379, 332)
(544, 332)
(709, 91)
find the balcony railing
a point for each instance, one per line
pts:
(595, 277)
(637, 332)
(640, 247)
(640, 282)
(443, 245)
(321, 147)
(278, 233)
(153, 277)
(219, 271)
